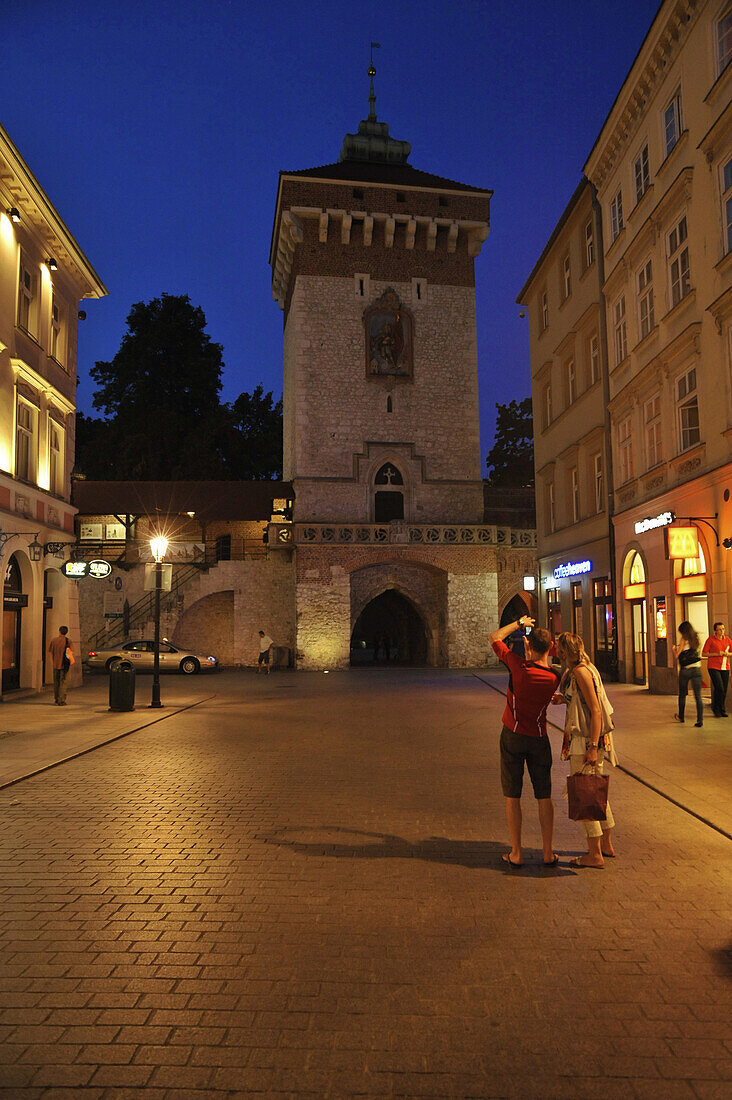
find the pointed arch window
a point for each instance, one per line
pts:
(388, 494)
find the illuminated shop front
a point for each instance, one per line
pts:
(576, 595)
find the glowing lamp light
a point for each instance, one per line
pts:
(326, 671)
(158, 547)
(14, 214)
(529, 584)
(52, 263)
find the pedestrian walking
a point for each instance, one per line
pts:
(265, 645)
(687, 655)
(524, 740)
(62, 658)
(717, 651)
(587, 736)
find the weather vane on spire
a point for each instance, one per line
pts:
(372, 74)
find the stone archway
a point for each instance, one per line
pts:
(390, 630)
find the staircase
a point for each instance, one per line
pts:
(143, 610)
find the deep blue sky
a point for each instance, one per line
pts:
(158, 127)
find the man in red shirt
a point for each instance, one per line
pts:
(718, 651)
(531, 685)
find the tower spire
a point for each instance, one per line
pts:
(372, 94)
(372, 142)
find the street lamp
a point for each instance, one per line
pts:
(158, 546)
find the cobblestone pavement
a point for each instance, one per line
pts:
(295, 889)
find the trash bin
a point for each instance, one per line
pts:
(122, 686)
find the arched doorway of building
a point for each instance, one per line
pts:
(514, 610)
(14, 600)
(389, 630)
(634, 590)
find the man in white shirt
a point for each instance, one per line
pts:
(265, 642)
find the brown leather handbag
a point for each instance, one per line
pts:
(587, 793)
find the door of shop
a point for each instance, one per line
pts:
(14, 600)
(640, 641)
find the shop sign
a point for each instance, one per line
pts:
(75, 569)
(651, 522)
(683, 542)
(661, 628)
(99, 569)
(11, 600)
(572, 569)
(695, 585)
(635, 591)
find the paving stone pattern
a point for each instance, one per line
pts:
(295, 889)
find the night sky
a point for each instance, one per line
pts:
(158, 127)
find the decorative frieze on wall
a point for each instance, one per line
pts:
(369, 534)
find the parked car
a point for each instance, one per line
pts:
(142, 656)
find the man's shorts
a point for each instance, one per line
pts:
(263, 657)
(518, 749)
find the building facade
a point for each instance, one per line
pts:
(373, 265)
(661, 170)
(43, 276)
(569, 379)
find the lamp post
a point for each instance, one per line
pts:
(158, 546)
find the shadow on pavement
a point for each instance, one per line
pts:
(331, 841)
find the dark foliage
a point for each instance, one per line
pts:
(511, 459)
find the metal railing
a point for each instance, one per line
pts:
(141, 611)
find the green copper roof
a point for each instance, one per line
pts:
(372, 142)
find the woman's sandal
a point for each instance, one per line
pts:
(585, 866)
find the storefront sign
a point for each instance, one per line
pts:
(13, 600)
(683, 542)
(635, 591)
(695, 585)
(99, 569)
(651, 522)
(572, 569)
(75, 569)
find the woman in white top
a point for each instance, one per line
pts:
(587, 736)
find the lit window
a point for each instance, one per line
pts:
(693, 567)
(594, 360)
(58, 335)
(637, 570)
(652, 420)
(567, 277)
(673, 121)
(625, 450)
(724, 39)
(25, 440)
(599, 483)
(642, 173)
(55, 457)
(616, 215)
(678, 262)
(620, 331)
(645, 299)
(687, 404)
(727, 204)
(544, 312)
(589, 245)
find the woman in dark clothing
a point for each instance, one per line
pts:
(687, 654)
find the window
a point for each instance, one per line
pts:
(724, 39)
(594, 360)
(57, 341)
(687, 404)
(727, 202)
(553, 611)
(55, 457)
(551, 517)
(678, 262)
(223, 548)
(642, 172)
(389, 495)
(589, 245)
(25, 435)
(673, 121)
(544, 312)
(652, 421)
(547, 405)
(574, 488)
(571, 383)
(619, 330)
(616, 215)
(566, 278)
(645, 299)
(577, 617)
(625, 450)
(599, 482)
(602, 599)
(27, 298)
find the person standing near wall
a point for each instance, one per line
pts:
(62, 657)
(265, 645)
(717, 651)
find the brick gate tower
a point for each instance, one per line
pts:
(373, 266)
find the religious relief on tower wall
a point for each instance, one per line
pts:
(389, 344)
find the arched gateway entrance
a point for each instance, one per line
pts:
(389, 630)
